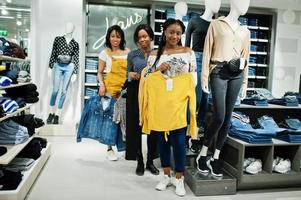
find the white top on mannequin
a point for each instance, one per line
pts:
(69, 29)
(180, 10)
(211, 7)
(237, 8)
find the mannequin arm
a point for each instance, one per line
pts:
(73, 78)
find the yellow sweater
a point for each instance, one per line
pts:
(163, 110)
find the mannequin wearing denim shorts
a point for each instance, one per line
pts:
(64, 62)
(195, 37)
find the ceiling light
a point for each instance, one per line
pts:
(27, 30)
(4, 12)
(7, 17)
(8, 1)
(19, 23)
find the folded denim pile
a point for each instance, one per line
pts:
(243, 130)
(281, 165)
(12, 133)
(292, 131)
(285, 101)
(296, 94)
(252, 165)
(23, 77)
(91, 64)
(20, 164)
(256, 99)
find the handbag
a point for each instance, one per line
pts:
(64, 59)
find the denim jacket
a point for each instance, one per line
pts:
(97, 124)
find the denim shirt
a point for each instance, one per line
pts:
(96, 123)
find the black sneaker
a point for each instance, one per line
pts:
(50, 118)
(194, 146)
(56, 119)
(151, 167)
(201, 164)
(216, 167)
(140, 169)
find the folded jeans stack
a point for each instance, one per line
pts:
(23, 77)
(12, 133)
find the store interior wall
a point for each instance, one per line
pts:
(48, 21)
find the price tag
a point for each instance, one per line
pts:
(169, 84)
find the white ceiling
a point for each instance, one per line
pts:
(18, 10)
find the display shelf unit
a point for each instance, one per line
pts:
(14, 85)
(12, 150)
(235, 151)
(28, 178)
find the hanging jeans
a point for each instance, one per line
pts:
(225, 89)
(62, 73)
(176, 139)
(201, 97)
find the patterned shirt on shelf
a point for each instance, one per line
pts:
(61, 47)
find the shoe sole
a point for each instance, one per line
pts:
(170, 184)
(254, 172)
(211, 170)
(282, 171)
(197, 166)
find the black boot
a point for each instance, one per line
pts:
(151, 167)
(56, 119)
(50, 118)
(140, 165)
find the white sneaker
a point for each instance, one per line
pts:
(111, 155)
(164, 183)
(283, 166)
(275, 162)
(248, 161)
(255, 167)
(180, 188)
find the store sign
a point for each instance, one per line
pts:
(3, 33)
(102, 17)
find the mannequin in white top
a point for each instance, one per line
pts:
(211, 7)
(237, 8)
(180, 10)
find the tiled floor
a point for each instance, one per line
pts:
(80, 171)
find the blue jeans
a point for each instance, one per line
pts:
(201, 97)
(62, 72)
(268, 123)
(176, 139)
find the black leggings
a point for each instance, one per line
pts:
(224, 94)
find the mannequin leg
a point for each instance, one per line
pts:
(57, 77)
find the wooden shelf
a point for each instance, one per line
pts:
(273, 106)
(257, 65)
(160, 20)
(91, 84)
(259, 40)
(92, 55)
(16, 112)
(15, 85)
(91, 70)
(258, 53)
(13, 150)
(9, 58)
(28, 178)
(258, 28)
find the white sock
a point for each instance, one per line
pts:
(52, 109)
(59, 112)
(216, 154)
(204, 151)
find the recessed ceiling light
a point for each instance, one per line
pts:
(19, 23)
(4, 12)
(27, 30)
(8, 1)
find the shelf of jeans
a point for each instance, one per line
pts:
(259, 40)
(16, 112)
(91, 84)
(257, 65)
(91, 70)
(9, 58)
(15, 85)
(284, 143)
(28, 178)
(258, 53)
(12, 151)
(269, 106)
(258, 28)
(160, 20)
(92, 54)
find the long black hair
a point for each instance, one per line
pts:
(166, 24)
(120, 32)
(147, 29)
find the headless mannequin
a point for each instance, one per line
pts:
(211, 7)
(69, 29)
(237, 8)
(180, 10)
